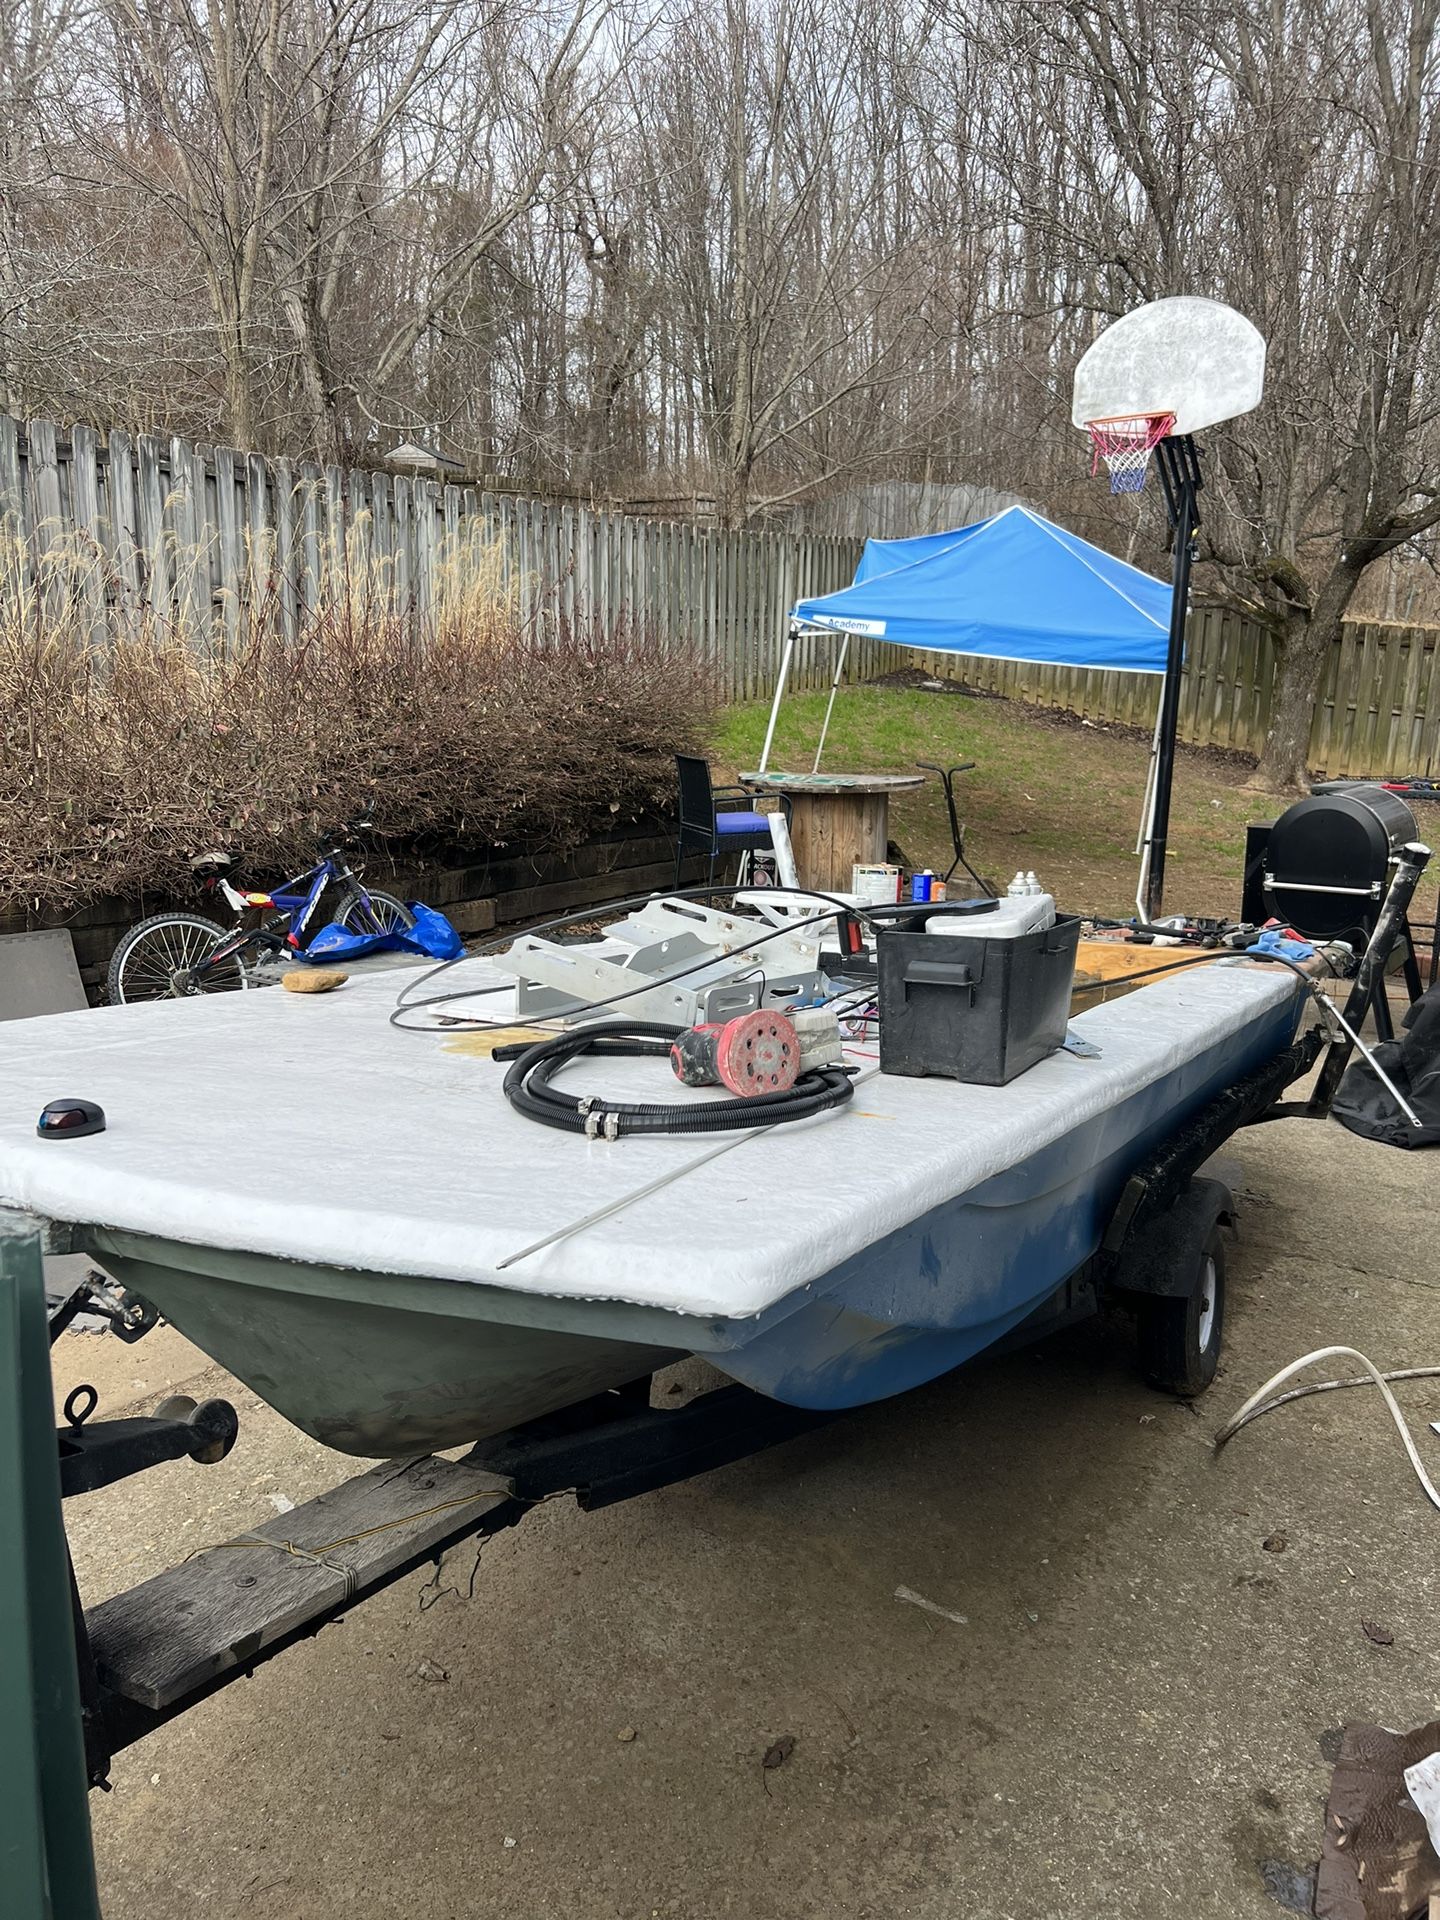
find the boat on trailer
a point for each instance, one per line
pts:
(400, 1261)
(349, 1217)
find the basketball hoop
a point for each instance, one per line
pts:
(1125, 443)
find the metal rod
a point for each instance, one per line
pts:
(785, 655)
(1180, 468)
(830, 706)
(1142, 838)
(1315, 886)
(652, 1186)
(1374, 1065)
(1409, 866)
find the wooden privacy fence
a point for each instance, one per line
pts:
(208, 536)
(1377, 712)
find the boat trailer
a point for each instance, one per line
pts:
(84, 1684)
(78, 1685)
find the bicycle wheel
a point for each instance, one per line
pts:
(387, 911)
(154, 959)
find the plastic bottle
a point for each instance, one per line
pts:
(1016, 887)
(1032, 885)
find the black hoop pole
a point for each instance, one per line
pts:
(1179, 464)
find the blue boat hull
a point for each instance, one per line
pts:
(380, 1363)
(961, 1277)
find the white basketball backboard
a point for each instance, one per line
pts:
(1195, 358)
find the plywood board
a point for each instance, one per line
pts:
(38, 974)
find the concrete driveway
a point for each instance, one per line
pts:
(1131, 1719)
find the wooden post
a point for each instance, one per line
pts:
(150, 521)
(89, 554)
(227, 526)
(122, 530)
(47, 526)
(283, 484)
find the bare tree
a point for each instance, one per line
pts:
(767, 189)
(1283, 158)
(36, 50)
(750, 250)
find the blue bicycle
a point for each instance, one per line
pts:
(173, 955)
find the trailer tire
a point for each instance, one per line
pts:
(1180, 1333)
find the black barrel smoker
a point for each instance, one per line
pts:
(1324, 867)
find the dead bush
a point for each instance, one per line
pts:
(119, 761)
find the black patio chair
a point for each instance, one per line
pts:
(717, 820)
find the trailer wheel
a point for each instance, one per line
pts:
(1180, 1333)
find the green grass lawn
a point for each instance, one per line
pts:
(1046, 793)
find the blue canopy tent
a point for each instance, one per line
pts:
(1014, 587)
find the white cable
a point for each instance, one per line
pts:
(1331, 1386)
(1254, 1405)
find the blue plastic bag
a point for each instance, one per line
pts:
(334, 942)
(431, 934)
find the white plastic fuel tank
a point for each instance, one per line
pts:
(1014, 914)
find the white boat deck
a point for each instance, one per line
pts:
(306, 1127)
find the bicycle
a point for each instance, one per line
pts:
(174, 955)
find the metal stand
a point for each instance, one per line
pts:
(1179, 464)
(1370, 978)
(840, 659)
(1414, 986)
(957, 832)
(787, 654)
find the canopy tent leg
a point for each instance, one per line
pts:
(830, 707)
(785, 659)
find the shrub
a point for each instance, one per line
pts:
(119, 761)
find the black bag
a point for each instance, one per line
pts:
(1365, 1105)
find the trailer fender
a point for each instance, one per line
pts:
(1159, 1258)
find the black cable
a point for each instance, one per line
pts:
(404, 1004)
(876, 916)
(529, 1089)
(589, 1006)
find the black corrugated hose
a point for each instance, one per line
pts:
(528, 1088)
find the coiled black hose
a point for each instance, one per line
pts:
(528, 1088)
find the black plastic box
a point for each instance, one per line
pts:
(968, 1008)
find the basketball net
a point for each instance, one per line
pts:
(1125, 443)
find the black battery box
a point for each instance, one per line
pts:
(968, 1007)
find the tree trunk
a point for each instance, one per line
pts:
(732, 502)
(1284, 763)
(239, 393)
(317, 382)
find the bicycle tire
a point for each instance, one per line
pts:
(389, 911)
(154, 951)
